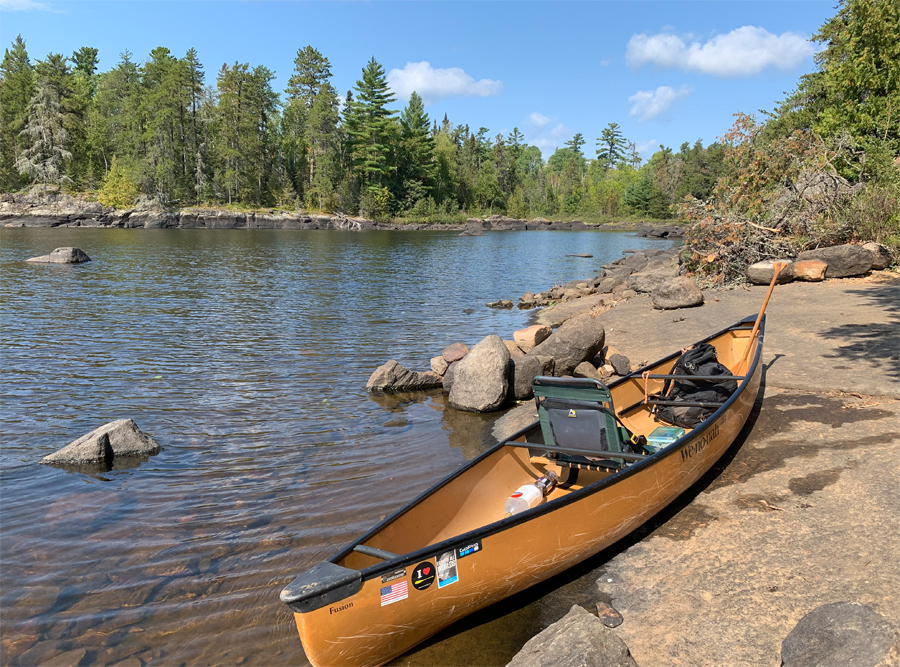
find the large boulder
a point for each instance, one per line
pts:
(586, 370)
(393, 377)
(609, 283)
(843, 260)
(760, 273)
(481, 379)
(841, 633)
(528, 337)
(67, 255)
(577, 340)
(680, 292)
(578, 639)
(647, 281)
(522, 370)
(119, 438)
(881, 256)
(514, 350)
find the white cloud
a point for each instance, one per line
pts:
(606, 62)
(742, 52)
(439, 84)
(537, 120)
(648, 104)
(545, 133)
(24, 5)
(644, 147)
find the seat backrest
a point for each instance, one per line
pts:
(577, 415)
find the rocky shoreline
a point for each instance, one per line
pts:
(61, 210)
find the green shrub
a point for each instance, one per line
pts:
(117, 189)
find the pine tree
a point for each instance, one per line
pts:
(16, 90)
(43, 160)
(416, 159)
(611, 145)
(371, 128)
(576, 142)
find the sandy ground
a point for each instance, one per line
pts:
(805, 508)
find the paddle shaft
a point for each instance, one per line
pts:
(777, 268)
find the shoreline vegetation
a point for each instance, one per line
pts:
(820, 169)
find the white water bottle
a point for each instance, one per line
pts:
(530, 495)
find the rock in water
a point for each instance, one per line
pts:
(454, 352)
(480, 379)
(841, 633)
(578, 639)
(119, 438)
(577, 340)
(523, 370)
(392, 377)
(66, 255)
(843, 260)
(680, 292)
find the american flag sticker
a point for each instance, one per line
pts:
(394, 593)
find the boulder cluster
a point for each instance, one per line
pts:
(654, 272)
(497, 372)
(839, 261)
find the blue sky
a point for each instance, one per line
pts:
(667, 72)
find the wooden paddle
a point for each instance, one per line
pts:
(777, 268)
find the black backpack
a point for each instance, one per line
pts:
(699, 360)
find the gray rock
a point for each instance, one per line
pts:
(454, 352)
(392, 377)
(881, 256)
(514, 350)
(843, 260)
(760, 273)
(481, 379)
(841, 634)
(628, 294)
(439, 365)
(680, 292)
(577, 340)
(647, 281)
(586, 370)
(522, 370)
(609, 615)
(609, 283)
(514, 420)
(67, 255)
(578, 639)
(502, 304)
(637, 261)
(119, 438)
(450, 375)
(620, 363)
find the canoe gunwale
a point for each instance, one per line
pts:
(437, 548)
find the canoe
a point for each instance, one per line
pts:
(451, 551)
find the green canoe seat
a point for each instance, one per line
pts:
(577, 418)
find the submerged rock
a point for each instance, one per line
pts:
(119, 438)
(392, 377)
(578, 639)
(67, 255)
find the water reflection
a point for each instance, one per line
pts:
(245, 355)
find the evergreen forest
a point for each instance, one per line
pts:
(822, 165)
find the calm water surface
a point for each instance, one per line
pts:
(245, 355)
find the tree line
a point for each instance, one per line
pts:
(160, 130)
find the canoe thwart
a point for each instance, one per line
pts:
(593, 453)
(375, 553)
(321, 585)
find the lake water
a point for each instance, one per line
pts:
(245, 355)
